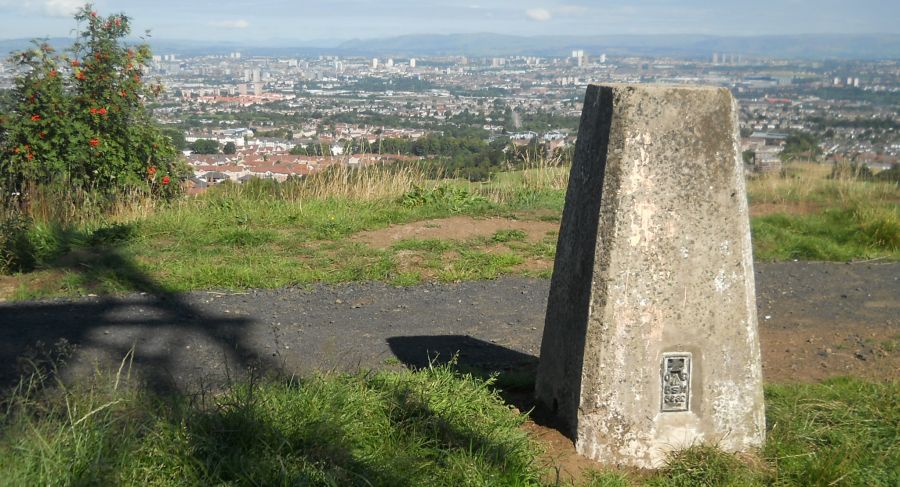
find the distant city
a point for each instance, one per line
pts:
(278, 117)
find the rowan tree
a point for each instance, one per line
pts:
(80, 118)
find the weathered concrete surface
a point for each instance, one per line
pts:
(654, 257)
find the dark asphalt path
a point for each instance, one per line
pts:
(203, 338)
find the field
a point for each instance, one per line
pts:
(392, 225)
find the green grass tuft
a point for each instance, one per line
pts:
(504, 236)
(433, 427)
(704, 466)
(833, 235)
(841, 432)
(475, 264)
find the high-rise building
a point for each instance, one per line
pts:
(412, 63)
(374, 63)
(390, 62)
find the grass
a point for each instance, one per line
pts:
(842, 432)
(269, 235)
(831, 235)
(434, 426)
(815, 217)
(400, 428)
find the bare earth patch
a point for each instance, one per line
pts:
(564, 464)
(454, 228)
(788, 208)
(532, 266)
(8, 286)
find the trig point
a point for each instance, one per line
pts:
(650, 343)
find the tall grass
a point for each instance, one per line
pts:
(820, 217)
(812, 183)
(268, 234)
(203, 241)
(339, 181)
(429, 427)
(842, 432)
(57, 205)
(433, 427)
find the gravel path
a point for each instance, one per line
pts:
(816, 320)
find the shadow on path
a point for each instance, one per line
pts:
(156, 324)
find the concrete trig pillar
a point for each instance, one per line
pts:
(650, 343)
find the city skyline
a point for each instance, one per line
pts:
(277, 21)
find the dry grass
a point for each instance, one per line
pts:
(366, 184)
(818, 217)
(60, 205)
(809, 182)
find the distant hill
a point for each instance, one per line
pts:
(10, 45)
(193, 47)
(873, 46)
(811, 46)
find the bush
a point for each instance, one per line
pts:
(16, 251)
(851, 170)
(205, 146)
(453, 198)
(80, 119)
(891, 175)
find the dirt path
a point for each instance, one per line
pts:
(816, 320)
(455, 228)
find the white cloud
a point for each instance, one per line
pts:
(50, 8)
(231, 24)
(538, 14)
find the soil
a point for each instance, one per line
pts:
(816, 320)
(787, 208)
(455, 228)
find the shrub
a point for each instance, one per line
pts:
(80, 118)
(16, 252)
(891, 175)
(851, 170)
(453, 198)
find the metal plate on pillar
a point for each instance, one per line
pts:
(676, 382)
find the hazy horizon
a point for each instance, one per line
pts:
(279, 21)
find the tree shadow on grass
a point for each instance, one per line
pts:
(241, 446)
(514, 371)
(159, 326)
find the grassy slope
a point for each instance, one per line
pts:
(432, 427)
(813, 217)
(270, 236)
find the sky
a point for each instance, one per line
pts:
(264, 21)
